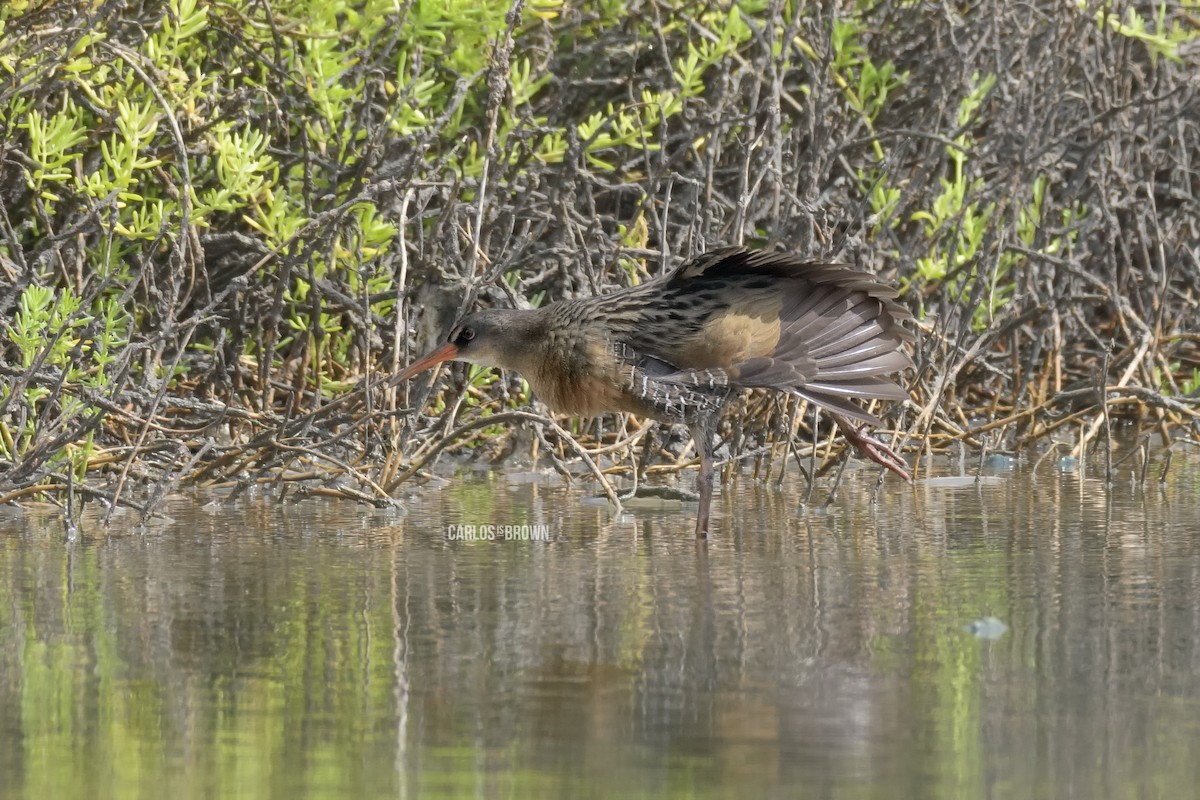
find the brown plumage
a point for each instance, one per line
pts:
(674, 348)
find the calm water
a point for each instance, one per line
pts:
(315, 649)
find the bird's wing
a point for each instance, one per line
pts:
(726, 264)
(836, 345)
(832, 336)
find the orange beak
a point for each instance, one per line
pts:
(447, 352)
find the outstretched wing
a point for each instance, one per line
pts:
(836, 346)
(826, 332)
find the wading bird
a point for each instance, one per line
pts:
(674, 348)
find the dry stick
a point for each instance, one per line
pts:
(626, 442)
(1176, 406)
(793, 423)
(926, 415)
(1000, 423)
(17, 494)
(512, 416)
(26, 376)
(498, 75)
(1162, 476)
(1053, 446)
(1080, 448)
(640, 465)
(291, 448)
(222, 411)
(1108, 465)
(1144, 450)
(169, 482)
(391, 465)
(778, 438)
(812, 463)
(1075, 416)
(400, 320)
(400, 337)
(554, 455)
(837, 482)
(145, 429)
(1091, 430)
(633, 490)
(340, 493)
(982, 455)
(69, 523)
(449, 417)
(185, 197)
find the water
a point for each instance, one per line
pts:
(317, 649)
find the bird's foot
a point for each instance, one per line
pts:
(877, 451)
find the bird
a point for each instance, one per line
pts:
(676, 347)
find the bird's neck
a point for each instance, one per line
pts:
(558, 352)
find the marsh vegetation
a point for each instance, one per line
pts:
(223, 224)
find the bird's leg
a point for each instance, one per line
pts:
(647, 453)
(702, 434)
(873, 449)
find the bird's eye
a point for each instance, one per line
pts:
(465, 335)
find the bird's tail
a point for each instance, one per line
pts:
(838, 345)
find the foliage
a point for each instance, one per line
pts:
(238, 208)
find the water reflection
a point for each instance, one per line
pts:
(317, 649)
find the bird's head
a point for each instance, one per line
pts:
(493, 338)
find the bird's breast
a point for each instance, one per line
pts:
(579, 376)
